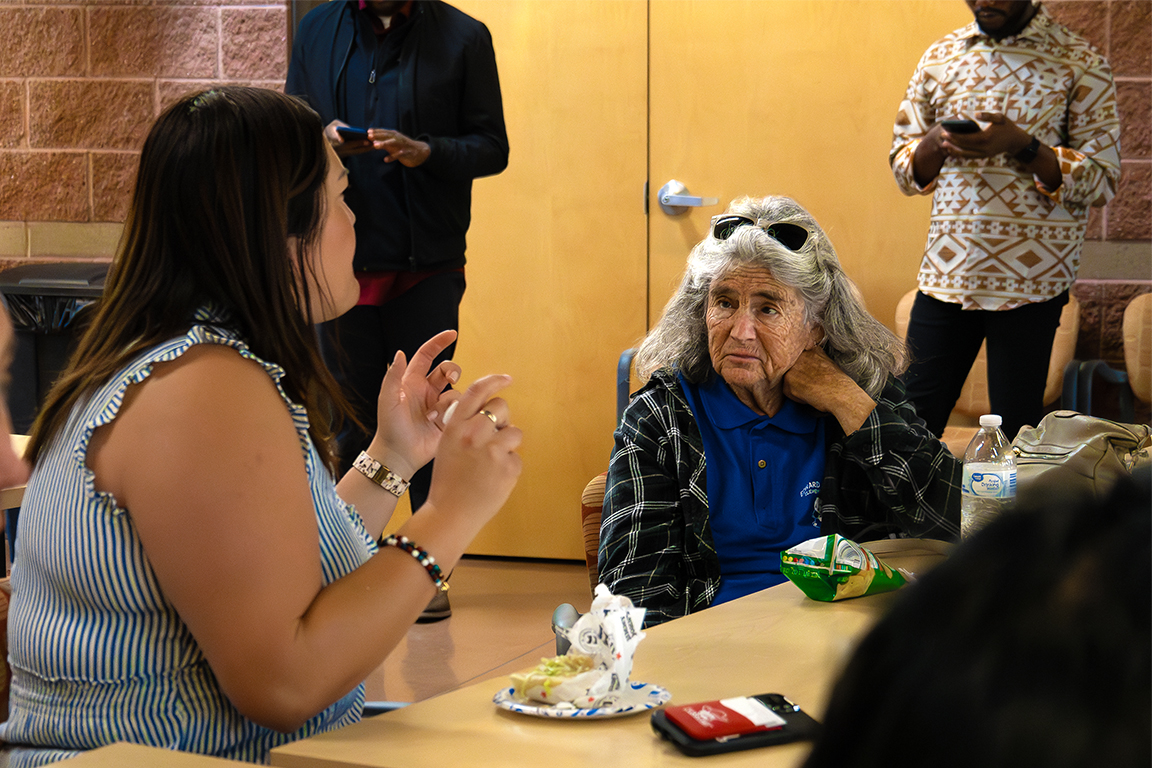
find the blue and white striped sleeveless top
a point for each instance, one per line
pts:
(98, 654)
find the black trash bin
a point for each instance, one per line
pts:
(44, 302)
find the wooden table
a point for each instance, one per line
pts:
(122, 754)
(773, 641)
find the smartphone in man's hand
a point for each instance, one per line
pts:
(350, 133)
(960, 126)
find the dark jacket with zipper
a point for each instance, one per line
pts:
(448, 95)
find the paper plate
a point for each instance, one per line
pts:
(641, 697)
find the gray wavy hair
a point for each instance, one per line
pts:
(857, 342)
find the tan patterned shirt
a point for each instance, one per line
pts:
(998, 239)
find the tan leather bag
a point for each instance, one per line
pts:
(1079, 452)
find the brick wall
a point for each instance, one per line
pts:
(1122, 30)
(81, 81)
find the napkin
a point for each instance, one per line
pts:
(603, 642)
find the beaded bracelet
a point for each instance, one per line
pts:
(422, 557)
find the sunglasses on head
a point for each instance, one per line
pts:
(791, 236)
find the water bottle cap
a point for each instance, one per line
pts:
(990, 420)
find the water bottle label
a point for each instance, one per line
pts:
(991, 485)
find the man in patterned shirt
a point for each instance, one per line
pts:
(1010, 199)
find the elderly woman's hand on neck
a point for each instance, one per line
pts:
(761, 344)
(817, 381)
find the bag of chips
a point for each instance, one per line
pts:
(834, 568)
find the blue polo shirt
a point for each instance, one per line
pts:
(763, 476)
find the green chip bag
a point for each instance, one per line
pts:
(834, 568)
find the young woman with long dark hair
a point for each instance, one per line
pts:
(189, 573)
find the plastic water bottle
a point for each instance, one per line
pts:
(989, 476)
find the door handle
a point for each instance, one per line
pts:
(673, 200)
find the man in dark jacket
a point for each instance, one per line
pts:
(421, 77)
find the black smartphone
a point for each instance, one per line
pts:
(349, 133)
(730, 725)
(960, 126)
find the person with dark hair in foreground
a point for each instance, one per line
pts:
(1029, 646)
(190, 572)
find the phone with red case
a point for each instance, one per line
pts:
(728, 725)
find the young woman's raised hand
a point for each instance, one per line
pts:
(411, 407)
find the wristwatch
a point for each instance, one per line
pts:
(380, 474)
(1028, 154)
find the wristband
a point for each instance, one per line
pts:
(380, 474)
(1028, 154)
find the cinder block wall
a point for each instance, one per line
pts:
(1122, 29)
(81, 82)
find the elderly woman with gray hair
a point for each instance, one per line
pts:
(772, 415)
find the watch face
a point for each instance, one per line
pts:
(1028, 154)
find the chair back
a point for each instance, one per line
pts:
(1138, 346)
(591, 510)
(1063, 349)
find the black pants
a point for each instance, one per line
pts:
(359, 346)
(945, 339)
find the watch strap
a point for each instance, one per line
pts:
(1028, 154)
(380, 474)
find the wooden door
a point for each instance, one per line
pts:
(557, 251)
(796, 98)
